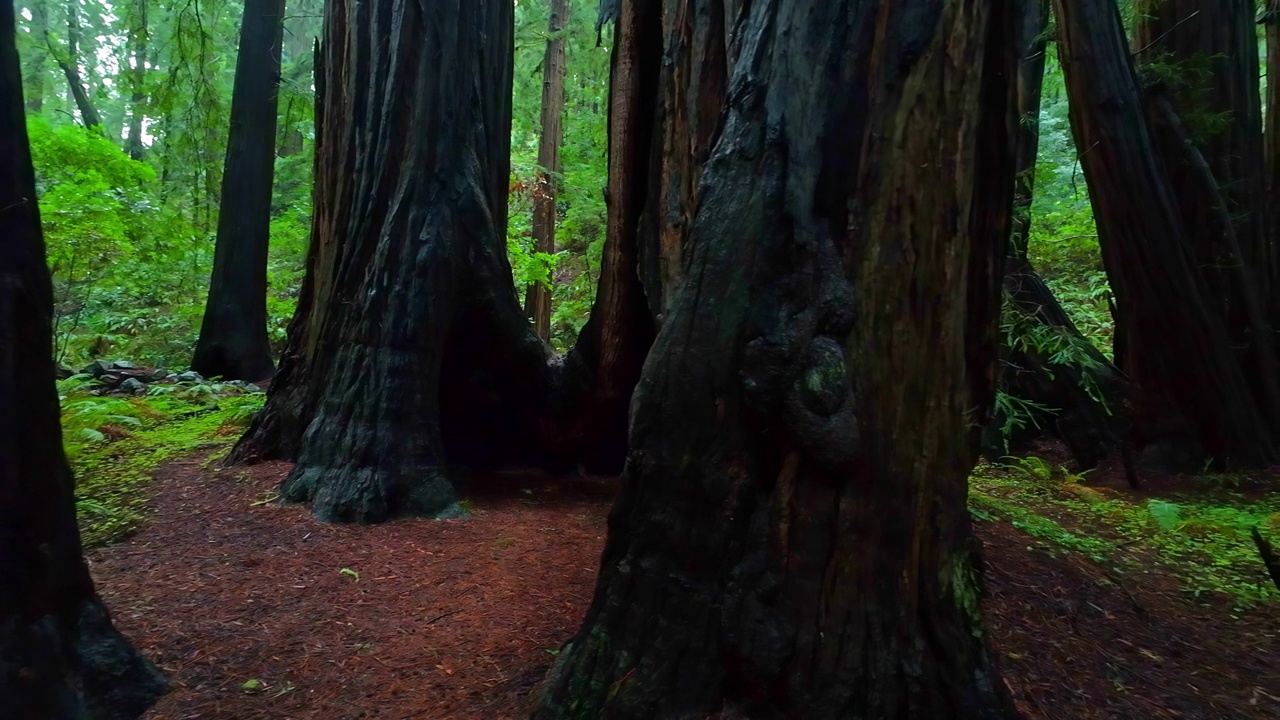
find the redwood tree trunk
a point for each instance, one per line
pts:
(1192, 397)
(233, 337)
(1271, 141)
(60, 657)
(137, 51)
(538, 299)
(1082, 395)
(792, 539)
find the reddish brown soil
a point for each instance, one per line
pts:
(459, 619)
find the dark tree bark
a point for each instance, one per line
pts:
(138, 36)
(1083, 395)
(233, 337)
(538, 298)
(60, 657)
(1271, 146)
(409, 352)
(70, 64)
(1191, 397)
(792, 537)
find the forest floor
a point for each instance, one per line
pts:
(1102, 602)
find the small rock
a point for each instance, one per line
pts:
(158, 374)
(171, 378)
(250, 387)
(133, 386)
(123, 365)
(190, 376)
(63, 372)
(97, 368)
(110, 379)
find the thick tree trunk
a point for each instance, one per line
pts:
(792, 538)
(1206, 56)
(1046, 359)
(409, 352)
(138, 35)
(538, 298)
(69, 62)
(60, 657)
(233, 337)
(1190, 396)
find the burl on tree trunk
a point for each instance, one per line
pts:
(60, 657)
(792, 537)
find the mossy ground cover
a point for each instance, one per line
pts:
(115, 444)
(1195, 529)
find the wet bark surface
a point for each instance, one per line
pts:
(233, 340)
(792, 538)
(1191, 398)
(60, 657)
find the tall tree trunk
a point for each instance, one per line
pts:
(409, 353)
(538, 298)
(792, 538)
(138, 36)
(299, 54)
(1047, 360)
(1271, 142)
(1204, 56)
(1190, 396)
(69, 61)
(37, 59)
(233, 337)
(60, 656)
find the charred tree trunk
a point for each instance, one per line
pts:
(792, 538)
(233, 337)
(138, 101)
(1191, 397)
(538, 298)
(60, 656)
(70, 64)
(1082, 394)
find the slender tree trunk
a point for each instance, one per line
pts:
(69, 62)
(538, 298)
(299, 49)
(1190, 396)
(1271, 141)
(60, 656)
(233, 337)
(138, 77)
(792, 539)
(1084, 394)
(36, 62)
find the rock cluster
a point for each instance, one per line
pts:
(125, 378)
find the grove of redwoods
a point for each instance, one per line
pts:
(789, 266)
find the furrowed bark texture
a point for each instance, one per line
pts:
(1190, 396)
(60, 657)
(1083, 397)
(233, 339)
(1271, 142)
(538, 297)
(792, 537)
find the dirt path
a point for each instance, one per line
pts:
(459, 619)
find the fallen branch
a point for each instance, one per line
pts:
(1268, 556)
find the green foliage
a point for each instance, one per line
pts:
(1199, 536)
(114, 444)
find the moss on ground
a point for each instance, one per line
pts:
(115, 444)
(1200, 536)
